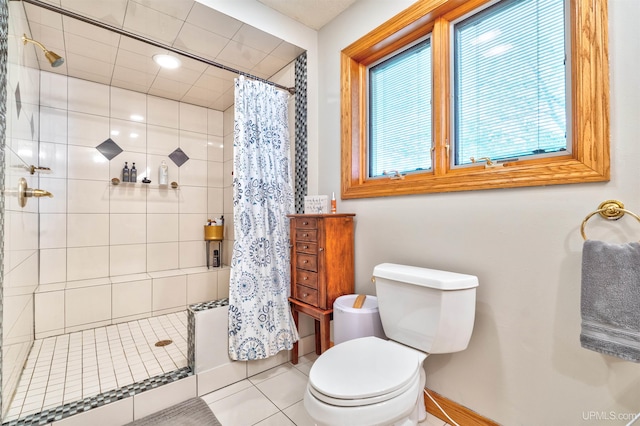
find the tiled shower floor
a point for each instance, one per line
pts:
(70, 367)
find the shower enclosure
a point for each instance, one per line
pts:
(103, 272)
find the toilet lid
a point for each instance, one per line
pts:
(363, 368)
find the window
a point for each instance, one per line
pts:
(477, 95)
(509, 82)
(400, 112)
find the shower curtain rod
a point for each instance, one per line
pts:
(53, 8)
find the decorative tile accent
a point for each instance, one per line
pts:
(179, 157)
(197, 307)
(4, 30)
(301, 132)
(109, 149)
(18, 99)
(191, 339)
(32, 127)
(99, 400)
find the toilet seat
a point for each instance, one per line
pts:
(364, 371)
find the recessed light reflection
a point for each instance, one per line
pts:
(136, 117)
(167, 61)
(115, 132)
(133, 135)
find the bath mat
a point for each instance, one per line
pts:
(192, 412)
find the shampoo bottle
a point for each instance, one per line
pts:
(125, 173)
(163, 174)
(133, 174)
(333, 202)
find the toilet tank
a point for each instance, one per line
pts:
(427, 309)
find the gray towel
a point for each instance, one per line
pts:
(610, 300)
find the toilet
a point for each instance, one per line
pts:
(372, 381)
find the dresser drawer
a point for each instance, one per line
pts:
(307, 278)
(307, 295)
(306, 247)
(308, 262)
(306, 223)
(306, 235)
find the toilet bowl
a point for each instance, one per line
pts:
(367, 381)
(370, 381)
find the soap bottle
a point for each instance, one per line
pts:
(125, 173)
(133, 174)
(333, 202)
(163, 174)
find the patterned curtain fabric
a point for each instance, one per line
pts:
(260, 321)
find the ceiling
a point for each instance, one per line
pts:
(97, 54)
(312, 13)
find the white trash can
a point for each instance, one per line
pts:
(351, 323)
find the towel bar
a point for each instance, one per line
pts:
(610, 210)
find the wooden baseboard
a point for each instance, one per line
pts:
(460, 414)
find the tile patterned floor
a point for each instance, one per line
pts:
(67, 368)
(271, 398)
(70, 367)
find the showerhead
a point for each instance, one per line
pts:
(54, 59)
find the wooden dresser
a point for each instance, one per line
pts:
(322, 268)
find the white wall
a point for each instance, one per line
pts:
(524, 365)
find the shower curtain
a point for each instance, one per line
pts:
(260, 321)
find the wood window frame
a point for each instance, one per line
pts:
(588, 160)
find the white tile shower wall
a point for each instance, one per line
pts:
(93, 230)
(20, 224)
(78, 305)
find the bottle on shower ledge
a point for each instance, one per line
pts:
(133, 174)
(163, 174)
(125, 173)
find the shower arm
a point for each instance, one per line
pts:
(26, 40)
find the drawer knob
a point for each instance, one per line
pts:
(305, 247)
(305, 223)
(305, 294)
(305, 278)
(305, 261)
(320, 249)
(305, 235)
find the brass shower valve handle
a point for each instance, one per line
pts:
(23, 192)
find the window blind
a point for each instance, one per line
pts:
(400, 112)
(509, 81)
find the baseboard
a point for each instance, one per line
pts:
(460, 414)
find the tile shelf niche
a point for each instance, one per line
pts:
(117, 182)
